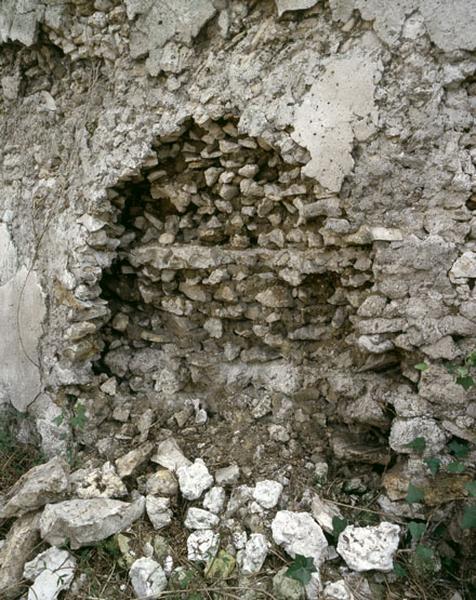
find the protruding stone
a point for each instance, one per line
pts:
(202, 545)
(267, 493)
(52, 572)
(198, 518)
(252, 557)
(158, 511)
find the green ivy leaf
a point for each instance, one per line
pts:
(465, 381)
(455, 467)
(421, 366)
(418, 444)
(462, 371)
(301, 569)
(424, 558)
(471, 488)
(471, 359)
(59, 419)
(416, 530)
(400, 571)
(469, 518)
(79, 420)
(414, 494)
(457, 449)
(433, 464)
(338, 526)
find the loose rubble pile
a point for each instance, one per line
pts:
(225, 521)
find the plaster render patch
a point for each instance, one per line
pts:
(8, 256)
(20, 377)
(450, 25)
(159, 22)
(337, 108)
(285, 5)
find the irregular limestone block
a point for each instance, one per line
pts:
(252, 557)
(20, 542)
(298, 533)
(84, 522)
(39, 486)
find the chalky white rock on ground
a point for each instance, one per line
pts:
(298, 533)
(198, 518)
(147, 578)
(83, 522)
(202, 545)
(194, 479)
(214, 500)
(404, 431)
(158, 511)
(127, 464)
(38, 486)
(267, 493)
(52, 572)
(369, 548)
(337, 590)
(252, 557)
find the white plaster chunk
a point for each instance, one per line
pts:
(404, 431)
(83, 522)
(170, 456)
(194, 479)
(158, 511)
(369, 548)
(214, 500)
(285, 5)
(252, 557)
(102, 482)
(298, 533)
(52, 572)
(338, 107)
(267, 493)
(22, 310)
(198, 518)
(202, 545)
(147, 578)
(38, 486)
(227, 475)
(128, 463)
(464, 266)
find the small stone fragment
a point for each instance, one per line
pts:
(227, 475)
(285, 5)
(52, 572)
(147, 578)
(324, 512)
(202, 545)
(214, 500)
(267, 493)
(162, 483)
(194, 479)
(252, 557)
(369, 548)
(170, 456)
(130, 462)
(158, 511)
(198, 518)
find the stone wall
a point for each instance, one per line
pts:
(256, 207)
